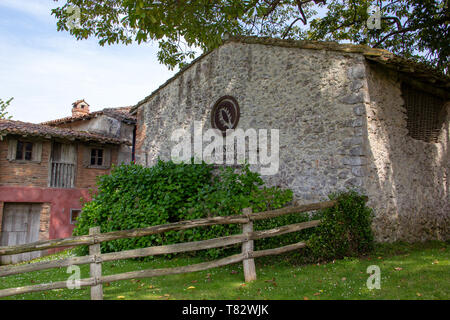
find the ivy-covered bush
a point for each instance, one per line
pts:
(133, 196)
(345, 229)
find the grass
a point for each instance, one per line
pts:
(408, 271)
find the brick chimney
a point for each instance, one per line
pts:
(79, 108)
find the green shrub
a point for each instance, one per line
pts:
(228, 194)
(345, 229)
(133, 196)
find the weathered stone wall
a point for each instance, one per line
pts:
(125, 152)
(314, 97)
(341, 125)
(406, 179)
(108, 126)
(101, 124)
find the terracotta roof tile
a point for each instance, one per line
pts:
(78, 101)
(44, 131)
(121, 114)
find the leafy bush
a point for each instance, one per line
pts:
(228, 194)
(345, 229)
(133, 196)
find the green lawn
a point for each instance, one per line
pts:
(408, 271)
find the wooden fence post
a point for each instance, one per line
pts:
(96, 266)
(247, 249)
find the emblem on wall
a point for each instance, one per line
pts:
(225, 114)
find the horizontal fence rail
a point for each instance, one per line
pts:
(152, 272)
(176, 226)
(158, 250)
(96, 258)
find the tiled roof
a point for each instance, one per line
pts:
(44, 131)
(413, 69)
(78, 101)
(121, 114)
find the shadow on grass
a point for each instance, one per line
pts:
(408, 271)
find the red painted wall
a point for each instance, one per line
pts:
(61, 201)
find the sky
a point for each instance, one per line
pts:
(46, 70)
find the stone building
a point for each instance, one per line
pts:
(112, 122)
(349, 116)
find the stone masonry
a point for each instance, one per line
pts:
(321, 101)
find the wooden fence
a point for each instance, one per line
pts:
(96, 258)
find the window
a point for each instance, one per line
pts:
(425, 114)
(96, 157)
(24, 151)
(74, 214)
(63, 165)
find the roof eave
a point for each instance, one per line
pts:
(89, 116)
(374, 54)
(67, 138)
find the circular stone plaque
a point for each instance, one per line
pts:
(225, 114)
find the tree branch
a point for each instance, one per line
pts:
(395, 20)
(403, 30)
(289, 28)
(273, 5)
(299, 5)
(300, 8)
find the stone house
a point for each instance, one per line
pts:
(112, 122)
(45, 171)
(349, 116)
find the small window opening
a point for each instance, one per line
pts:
(425, 114)
(74, 214)
(24, 151)
(96, 157)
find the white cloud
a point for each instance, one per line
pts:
(45, 70)
(40, 9)
(45, 83)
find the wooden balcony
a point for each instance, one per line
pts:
(62, 175)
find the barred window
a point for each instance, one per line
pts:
(425, 114)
